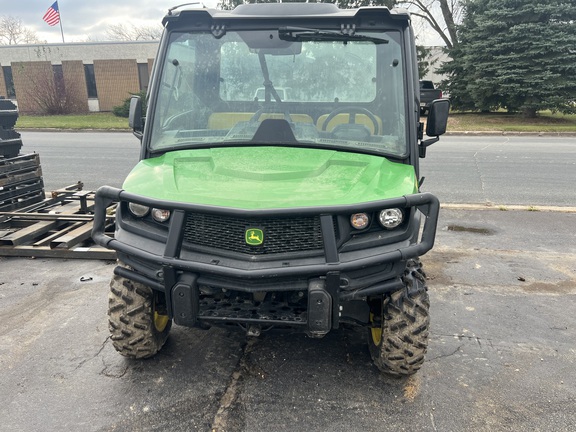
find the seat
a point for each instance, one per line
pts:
(226, 120)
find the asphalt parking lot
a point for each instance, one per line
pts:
(501, 357)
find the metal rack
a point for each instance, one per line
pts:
(56, 227)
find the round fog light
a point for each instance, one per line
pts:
(391, 218)
(359, 220)
(138, 210)
(160, 215)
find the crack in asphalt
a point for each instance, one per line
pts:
(433, 422)
(102, 346)
(104, 372)
(479, 171)
(229, 400)
(441, 356)
(476, 339)
(83, 362)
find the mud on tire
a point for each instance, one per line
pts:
(398, 339)
(137, 320)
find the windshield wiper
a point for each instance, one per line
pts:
(301, 34)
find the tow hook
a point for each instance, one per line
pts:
(253, 330)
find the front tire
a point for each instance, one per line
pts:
(137, 318)
(398, 337)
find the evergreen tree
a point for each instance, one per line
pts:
(515, 54)
(424, 59)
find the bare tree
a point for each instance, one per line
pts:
(131, 32)
(13, 32)
(441, 15)
(45, 89)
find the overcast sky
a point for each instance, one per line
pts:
(84, 20)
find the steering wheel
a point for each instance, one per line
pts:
(351, 118)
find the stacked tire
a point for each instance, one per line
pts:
(10, 142)
(21, 183)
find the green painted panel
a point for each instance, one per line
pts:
(270, 177)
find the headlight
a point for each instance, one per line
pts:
(160, 215)
(391, 218)
(138, 210)
(359, 220)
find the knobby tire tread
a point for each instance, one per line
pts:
(130, 319)
(405, 325)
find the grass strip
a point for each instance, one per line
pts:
(457, 122)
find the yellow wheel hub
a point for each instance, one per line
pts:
(160, 321)
(376, 332)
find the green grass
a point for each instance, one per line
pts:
(458, 122)
(500, 121)
(106, 121)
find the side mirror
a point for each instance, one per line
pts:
(435, 124)
(437, 117)
(135, 114)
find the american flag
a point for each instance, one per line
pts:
(52, 15)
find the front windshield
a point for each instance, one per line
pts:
(282, 87)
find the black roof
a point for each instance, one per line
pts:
(286, 10)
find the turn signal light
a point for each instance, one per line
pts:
(160, 215)
(359, 220)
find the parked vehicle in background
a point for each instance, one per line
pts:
(428, 93)
(283, 93)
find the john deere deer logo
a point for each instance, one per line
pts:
(254, 236)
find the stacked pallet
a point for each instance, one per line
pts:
(21, 181)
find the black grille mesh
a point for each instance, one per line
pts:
(281, 235)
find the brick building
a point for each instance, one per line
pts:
(92, 76)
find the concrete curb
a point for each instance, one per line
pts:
(507, 207)
(21, 129)
(504, 133)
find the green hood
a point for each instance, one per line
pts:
(270, 177)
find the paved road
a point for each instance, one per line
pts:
(95, 158)
(458, 169)
(502, 170)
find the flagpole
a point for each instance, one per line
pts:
(61, 30)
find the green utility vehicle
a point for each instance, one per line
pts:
(260, 212)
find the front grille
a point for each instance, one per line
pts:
(281, 235)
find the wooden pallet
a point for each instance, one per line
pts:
(21, 182)
(58, 227)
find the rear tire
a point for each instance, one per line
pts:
(137, 319)
(398, 337)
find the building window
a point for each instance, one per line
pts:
(90, 81)
(59, 79)
(9, 81)
(143, 75)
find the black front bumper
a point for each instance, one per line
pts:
(169, 268)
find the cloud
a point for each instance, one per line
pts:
(83, 20)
